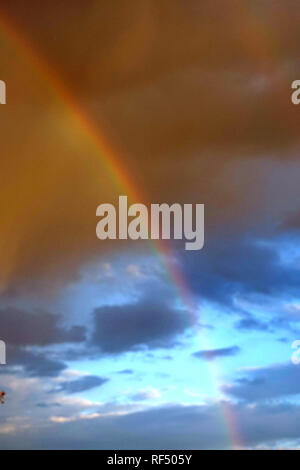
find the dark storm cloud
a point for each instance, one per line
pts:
(195, 76)
(34, 364)
(211, 354)
(36, 329)
(149, 323)
(268, 383)
(230, 266)
(185, 87)
(80, 385)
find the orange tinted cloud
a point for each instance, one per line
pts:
(184, 90)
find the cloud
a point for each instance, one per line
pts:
(211, 354)
(80, 385)
(148, 323)
(36, 329)
(125, 371)
(48, 405)
(208, 109)
(276, 381)
(34, 364)
(226, 271)
(196, 124)
(164, 427)
(251, 324)
(147, 394)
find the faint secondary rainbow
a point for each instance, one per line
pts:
(122, 182)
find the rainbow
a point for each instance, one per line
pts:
(110, 162)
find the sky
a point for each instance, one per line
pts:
(123, 344)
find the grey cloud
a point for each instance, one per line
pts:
(238, 265)
(34, 364)
(273, 382)
(168, 427)
(251, 323)
(48, 405)
(211, 354)
(148, 323)
(80, 385)
(36, 329)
